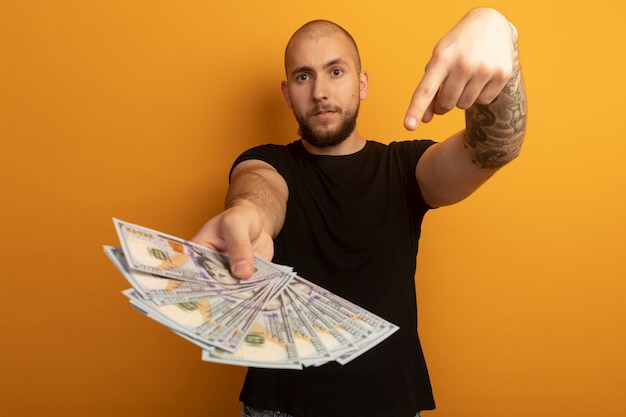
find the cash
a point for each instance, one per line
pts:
(275, 319)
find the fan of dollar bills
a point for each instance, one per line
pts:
(275, 319)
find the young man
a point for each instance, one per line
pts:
(346, 212)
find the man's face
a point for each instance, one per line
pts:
(323, 88)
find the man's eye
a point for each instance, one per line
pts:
(303, 77)
(336, 72)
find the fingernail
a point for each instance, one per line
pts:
(411, 122)
(241, 267)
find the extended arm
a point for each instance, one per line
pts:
(475, 67)
(255, 211)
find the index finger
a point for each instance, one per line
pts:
(423, 97)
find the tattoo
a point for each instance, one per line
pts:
(494, 132)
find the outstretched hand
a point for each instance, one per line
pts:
(239, 232)
(471, 64)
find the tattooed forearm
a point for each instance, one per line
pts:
(494, 132)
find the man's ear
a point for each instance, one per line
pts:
(364, 83)
(285, 88)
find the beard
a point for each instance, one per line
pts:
(323, 138)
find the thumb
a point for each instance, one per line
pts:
(239, 248)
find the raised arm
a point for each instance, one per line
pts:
(474, 67)
(255, 211)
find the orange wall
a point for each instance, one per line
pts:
(136, 109)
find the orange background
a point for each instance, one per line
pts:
(136, 109)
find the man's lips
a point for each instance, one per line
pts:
(323, 112)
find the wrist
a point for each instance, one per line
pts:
(251, 210)
(487, 11)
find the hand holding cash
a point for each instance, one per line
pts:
(239, 231)
(275, 319)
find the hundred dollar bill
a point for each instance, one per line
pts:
(369, 344)
(158, 289)
(160, 254)
(268, 344)
(196, 319)
(352, 330)
(253, 352)
(374, 324)
(220, 320)
(335, 341)
(311, 349)
(234, 328)
(363, 328)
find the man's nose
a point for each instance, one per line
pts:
(320, 89)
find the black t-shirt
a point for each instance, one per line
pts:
(352, 226)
